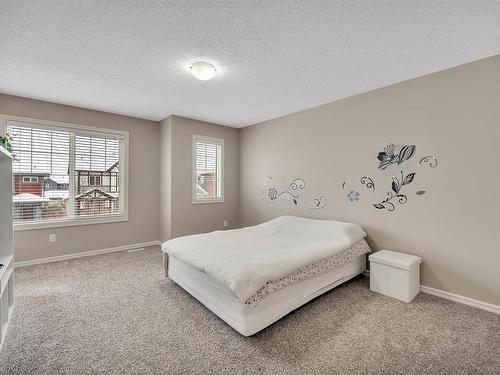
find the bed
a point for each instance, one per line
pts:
(252, 277)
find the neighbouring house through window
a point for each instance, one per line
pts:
(208, 169)
(66, 174)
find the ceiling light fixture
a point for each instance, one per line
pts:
(203, 70)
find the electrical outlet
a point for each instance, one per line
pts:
(52, 237)
(225, 223)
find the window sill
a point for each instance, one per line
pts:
(203, 201)
(69, 222)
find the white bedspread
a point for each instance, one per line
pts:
(246, 259)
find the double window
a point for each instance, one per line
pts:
(208, 169)
(67, 174)
(30, 180)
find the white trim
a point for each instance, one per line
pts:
(455, 297)
(124, 177)
(30, 179)
(81, 130)
(85, 254)
(105, 219)
(461, 299)
(56, 125)
(207, 200)
(4, 154)
(216, 141)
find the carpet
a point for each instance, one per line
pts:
(116, 314)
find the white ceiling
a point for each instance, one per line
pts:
(273, 57)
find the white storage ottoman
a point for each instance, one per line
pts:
(395, 274)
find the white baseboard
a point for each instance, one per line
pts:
(461, 299)
(85, 254)
(455, 297)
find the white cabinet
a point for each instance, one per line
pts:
(395, 274)
(6, 248)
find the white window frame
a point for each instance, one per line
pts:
(216, 141)
(124, 172)
(31, 180)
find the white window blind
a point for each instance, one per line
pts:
(208, 158)
(96, 175)
(64, 174)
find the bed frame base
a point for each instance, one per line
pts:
(248, 321)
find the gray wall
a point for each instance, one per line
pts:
(454, 115)
(144, 194)
(179, 216)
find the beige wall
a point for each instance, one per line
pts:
(181, 216)
(160, 168)
(454, 115)
(166, 178)
(144, 194)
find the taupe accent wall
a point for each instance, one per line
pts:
(144, 188)
(454, 226)
(179, 216)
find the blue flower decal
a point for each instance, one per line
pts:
(353, 196)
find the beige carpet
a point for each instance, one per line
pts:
(116, 314)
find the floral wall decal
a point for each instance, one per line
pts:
(397, 186)
(368, 182)
(291, 193)
(429, 159)
(395, 160)
(318, 203)
(353, 196)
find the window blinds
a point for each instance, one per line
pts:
(96, 176)
(207, 169)
(63, 174)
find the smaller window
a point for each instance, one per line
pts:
(208, 169)
(30, 179)
(94, 180)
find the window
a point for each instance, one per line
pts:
(95, 180)
(30, 180)
(208, 169)
(58, 173)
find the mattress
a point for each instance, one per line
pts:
(249, 320)
(248, 259)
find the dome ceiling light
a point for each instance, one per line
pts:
(203, 70)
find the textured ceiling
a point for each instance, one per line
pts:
(273, 57)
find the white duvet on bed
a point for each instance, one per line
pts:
(246, 259)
